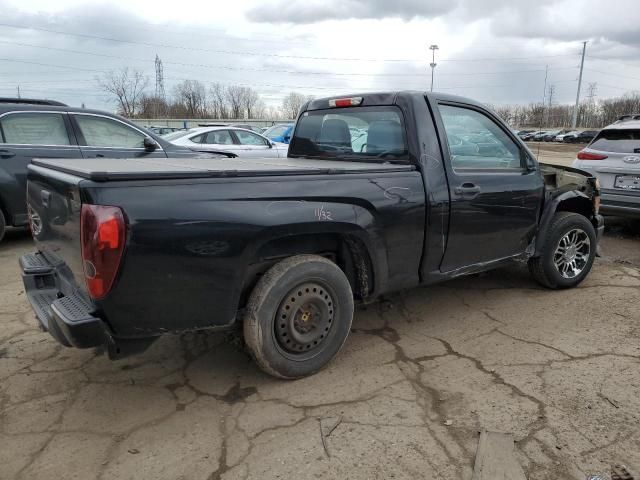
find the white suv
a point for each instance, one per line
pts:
(614, 158)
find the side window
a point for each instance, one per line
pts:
(198, 138)
(476, 142)
(219, 137)
(35, 129)
(105, 132)
(277, 132)
(248, 138)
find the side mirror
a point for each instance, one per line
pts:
(150, 145)
(271, 144)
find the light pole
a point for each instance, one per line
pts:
(433, 63)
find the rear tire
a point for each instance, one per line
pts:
(298, 316)
(568, 252)
(3, 225)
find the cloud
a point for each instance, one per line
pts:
(313, 11)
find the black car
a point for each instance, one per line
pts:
(582, 137)
(163, 130)
(132, 249)
(32, 128)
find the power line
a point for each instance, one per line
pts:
(66, 67)
(260, 54)
(294, 72)
(613, 74)
(614, 61)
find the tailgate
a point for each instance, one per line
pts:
(53, 200)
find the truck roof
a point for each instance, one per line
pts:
(106, 169)
(389, 98)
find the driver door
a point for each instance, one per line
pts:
(495, 188)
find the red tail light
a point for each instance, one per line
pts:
(345, 102)
(102, 233)
(590, 156)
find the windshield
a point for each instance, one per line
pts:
(275, 131)
(351, 133)
(617, 141)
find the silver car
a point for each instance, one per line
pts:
(240, 141)
(614, 158)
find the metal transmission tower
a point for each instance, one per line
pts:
(592, 92)
(160, 94)
(433, 63)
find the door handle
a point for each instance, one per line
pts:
(99, 155)
(7, 154)
(467, 188)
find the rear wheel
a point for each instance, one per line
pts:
(298, 316)
(568, 252)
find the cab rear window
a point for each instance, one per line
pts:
(351, 133)
(617, 141)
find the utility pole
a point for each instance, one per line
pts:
(433, 63)
(18, 91)
(574, 122)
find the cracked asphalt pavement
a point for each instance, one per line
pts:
(421, 374)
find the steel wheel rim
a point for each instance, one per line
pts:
(572, 253)
(35, 221)
(304, 320)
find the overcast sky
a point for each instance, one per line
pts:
(491, 50)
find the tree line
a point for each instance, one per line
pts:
(591, 113)
(193, 99)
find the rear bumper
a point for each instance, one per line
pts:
(67, 317)
(617, 202)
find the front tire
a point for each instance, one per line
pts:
(568, 252)
(298, 316)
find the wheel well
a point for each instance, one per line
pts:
(579, 205)
(346, 251)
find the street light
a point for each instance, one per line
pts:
(433, 63)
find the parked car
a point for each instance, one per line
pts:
(551, 135)
(581, 137)
(239, 141)
(561, 136)
(31, 128)
(523, 133)
(286, 246)
(246, 126)
(161, 130)
(614, 158)
(279, 133)
(539, 136)
(528, 137)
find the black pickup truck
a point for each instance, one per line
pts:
(380, 192)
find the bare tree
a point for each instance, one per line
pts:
(127, 85)
(193, 96)
(218, 101)
(292, 103)
(250, 102)
(235, 98)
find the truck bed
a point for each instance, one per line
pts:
(102, 169)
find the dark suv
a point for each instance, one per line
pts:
(47, 129)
